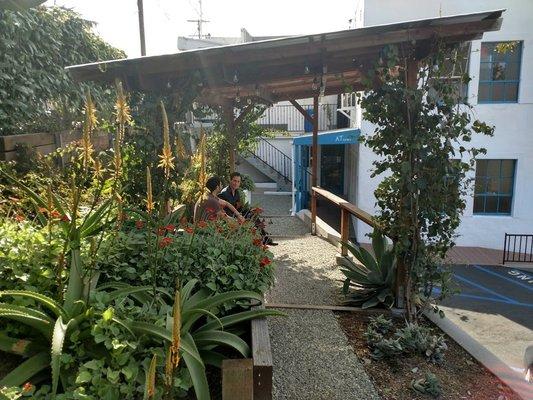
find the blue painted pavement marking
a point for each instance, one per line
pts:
(437, 291)
(528, 287)
(477, 285)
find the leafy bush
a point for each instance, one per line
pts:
(221, 255)
(36, 92)
(28, 256)
(372, 280)
(387, 342)
(429, 385)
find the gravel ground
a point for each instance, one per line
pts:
(272, 204)
(313, 360)
(311, 355)
(306, 272)
(286, 226)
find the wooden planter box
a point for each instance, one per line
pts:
(250, 378)
(45, 143)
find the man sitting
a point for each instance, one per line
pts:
(232, 195)
(213, 207)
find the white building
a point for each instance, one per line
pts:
(501, 91)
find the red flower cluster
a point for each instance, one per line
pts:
(19, 218)
(170, 228)
(202, 224)
(264, 262)
(165, 242)
(257, 242)
(54, 214)
(257, 210)
(28, 387)
(139, 224)
(188, 229)
(212, 217)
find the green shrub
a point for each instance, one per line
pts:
(28, 256)
(222, 256)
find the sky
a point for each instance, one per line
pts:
(165, 20)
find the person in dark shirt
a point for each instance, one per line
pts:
(232, 195)
(212, 207)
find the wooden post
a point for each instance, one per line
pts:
(314, 164)
(237, 379)
(230, 122)
(141, 26)
(345, 229)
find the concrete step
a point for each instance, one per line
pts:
(282, 183)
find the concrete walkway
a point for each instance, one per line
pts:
(311, 355)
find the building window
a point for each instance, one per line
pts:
(494, 186)
(499, 73)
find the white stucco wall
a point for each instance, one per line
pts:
(513, 138)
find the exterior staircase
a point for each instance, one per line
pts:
(272, 162)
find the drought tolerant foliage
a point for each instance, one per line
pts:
(371, 277)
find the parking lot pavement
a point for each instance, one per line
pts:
(495, 307)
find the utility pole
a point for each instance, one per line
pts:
(200, 20)
(141, 26)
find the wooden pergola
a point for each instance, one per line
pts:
(292, 68)
(288, 68)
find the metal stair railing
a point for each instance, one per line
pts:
(518, 248)
(273, 158)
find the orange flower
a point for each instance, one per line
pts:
(139, 224)
(55, 214)
(65, 218)
(264, 247)
(165, 242)
(42, 210)
(212, 217)
(264, 262)
(161, 231)
(257, 210)
(189, 230)
(257, 242)
(220, 229)
(210, 210)
(19, 218)
(202, 224)
(253, 230)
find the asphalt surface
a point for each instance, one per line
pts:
(494, 290)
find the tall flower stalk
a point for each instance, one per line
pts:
(89, 125)
(166, 158)
(202, 175)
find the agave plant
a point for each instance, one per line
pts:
(193, 332)
(369, 282)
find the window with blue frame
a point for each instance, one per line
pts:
(499, 74)
(494, 186)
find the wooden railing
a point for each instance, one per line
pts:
(347, 209)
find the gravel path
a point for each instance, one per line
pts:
(311, 355)
(273, 204)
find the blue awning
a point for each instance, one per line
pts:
(337, 136)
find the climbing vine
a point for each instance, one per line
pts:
(422, 129)
(36, 92)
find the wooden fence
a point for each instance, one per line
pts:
(45, 143)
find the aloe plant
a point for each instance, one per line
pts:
(369, 282)
(201, 332)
